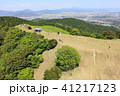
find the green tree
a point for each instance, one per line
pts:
(29, 27)
(52, 44)
(17, 59)
(67, 58)
(87, 34)
(35, 60)
(99, 36)
(75, 31)
(11, 76)
(52, 74)
(109, 34)
(26, 74)
(93, 35)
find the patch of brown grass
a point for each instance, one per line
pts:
(107, 61)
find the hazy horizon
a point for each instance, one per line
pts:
(16, 5)
(58, 9)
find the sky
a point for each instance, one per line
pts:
(15, 5)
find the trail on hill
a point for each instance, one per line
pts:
(49, 62)
(98, 61)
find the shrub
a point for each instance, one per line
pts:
(87, 34)
(29, 27)
(26, 74)
(52, 43)
(35, 60)
(67, 58)
(109, 34)
(52, 74)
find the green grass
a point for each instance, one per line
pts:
(52, 29)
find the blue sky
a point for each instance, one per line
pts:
(56, 4)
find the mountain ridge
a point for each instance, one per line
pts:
(47, 11)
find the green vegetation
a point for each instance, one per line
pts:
(52, 74)
(52, 44)
(35, 60)
(3, 30)
(53, 29)
(20, 52)
(67, 58)
(67, 26)
(29, 27)
(80, 28)
(79, 24)
(109, 34)
(26, 74)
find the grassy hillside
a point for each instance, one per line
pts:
(52, 29)
(81, 25)
(104, 66)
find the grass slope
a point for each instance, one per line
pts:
(52, 29)
(105, 65)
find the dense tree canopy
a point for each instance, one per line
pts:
(26, 74)
(20, 52)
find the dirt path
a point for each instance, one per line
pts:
(49, 62)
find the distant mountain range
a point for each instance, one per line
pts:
(28, 12)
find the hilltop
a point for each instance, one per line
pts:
(99, 57)
(105, 65)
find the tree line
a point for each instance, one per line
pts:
(95, 31)
(82, 28)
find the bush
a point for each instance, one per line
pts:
(26, 74)
(52, 43)
(67, 58)
(87, 34)
(53, 74)
(29, 27)
(35, 60)
(75, 31)
(109, 34)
